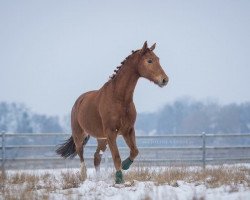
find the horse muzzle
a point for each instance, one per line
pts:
(163, 81)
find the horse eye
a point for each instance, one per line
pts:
(150, 61)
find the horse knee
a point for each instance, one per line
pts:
(134, 152)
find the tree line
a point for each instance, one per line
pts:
(189, 116)
(17, 118)
(182, 116)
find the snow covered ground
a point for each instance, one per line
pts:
(92, 189)
(54, 186)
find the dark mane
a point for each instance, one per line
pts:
(122, 63)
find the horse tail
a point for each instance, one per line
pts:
(68, 149)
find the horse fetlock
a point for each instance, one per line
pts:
(119, 177)
(97, 168)
(126, 164)
(83, 172)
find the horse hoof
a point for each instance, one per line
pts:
(119, 177)
(126, 164)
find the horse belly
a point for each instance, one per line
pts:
(90, 120)
(92, 125)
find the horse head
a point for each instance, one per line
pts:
(149, 66)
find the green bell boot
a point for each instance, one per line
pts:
(119, 177)
(126, 163)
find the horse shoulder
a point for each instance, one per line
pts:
(130, 114)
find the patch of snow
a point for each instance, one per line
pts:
(101, 187)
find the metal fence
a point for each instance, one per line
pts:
(29, 150)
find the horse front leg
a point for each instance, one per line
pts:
(116, 157)
(130, 140)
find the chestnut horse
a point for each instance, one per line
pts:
(110, 111)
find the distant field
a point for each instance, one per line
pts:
(223, 182)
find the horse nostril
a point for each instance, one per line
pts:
(165, 81)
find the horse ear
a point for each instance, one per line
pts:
(144, 48)
(152, 47)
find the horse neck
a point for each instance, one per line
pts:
(125, 82)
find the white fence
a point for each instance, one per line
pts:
(28, 149)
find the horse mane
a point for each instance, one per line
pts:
(120, 66)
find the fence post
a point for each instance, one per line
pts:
(203, 150)
(3, 153)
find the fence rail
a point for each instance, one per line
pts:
(170, 148)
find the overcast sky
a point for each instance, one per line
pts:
(52, 51)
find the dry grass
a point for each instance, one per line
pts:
(70, 180)
(211, 177)
(21, 185)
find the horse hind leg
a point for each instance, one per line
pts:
(101, 147)
(80, 144)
